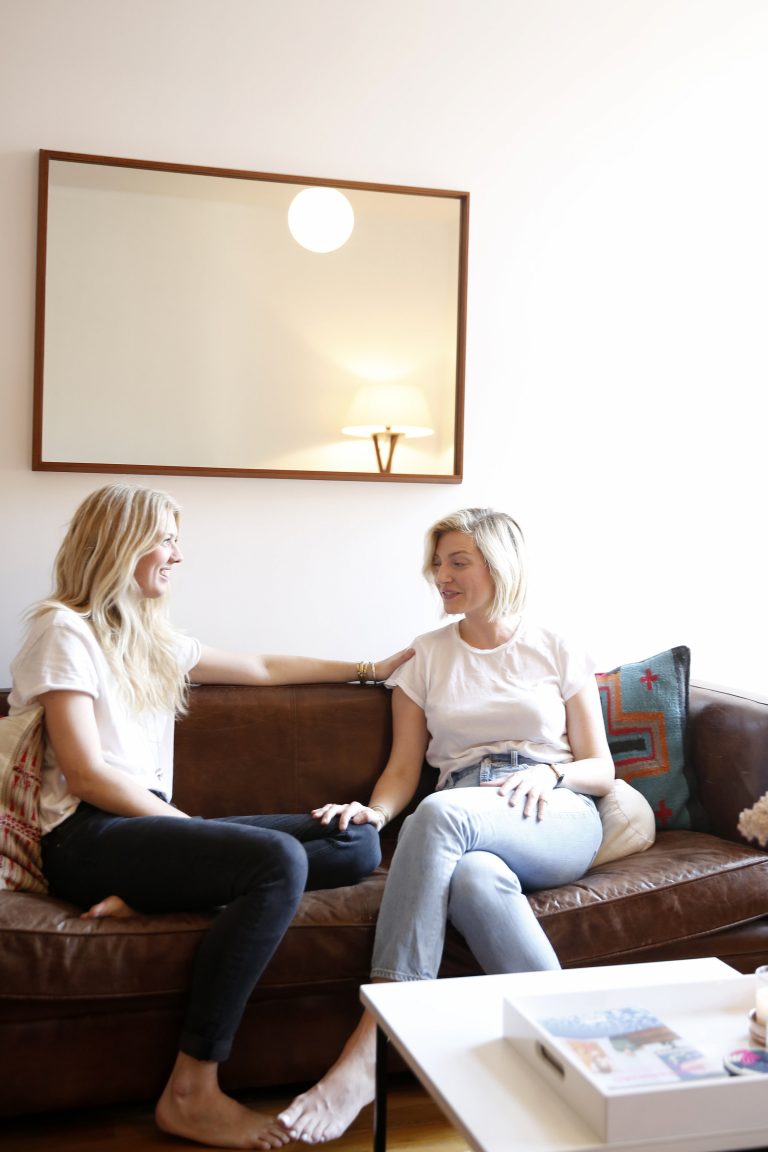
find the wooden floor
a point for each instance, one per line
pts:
(413, 1123)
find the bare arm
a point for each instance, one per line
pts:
(592, 770)
(399, 780)
(71, 729)
(216, 666)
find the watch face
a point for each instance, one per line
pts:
(747, 1061)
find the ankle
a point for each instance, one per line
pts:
(191, 1078)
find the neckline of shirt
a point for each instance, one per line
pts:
(514, 638)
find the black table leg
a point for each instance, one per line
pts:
(380, 1102)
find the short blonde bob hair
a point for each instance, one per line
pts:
(500, 541)
(94, 576)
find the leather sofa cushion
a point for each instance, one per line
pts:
(148, 956)
(687, 884)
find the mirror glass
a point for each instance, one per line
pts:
(181, 327)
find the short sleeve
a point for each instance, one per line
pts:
(58, 659)
(411, 677)
(187, 652)
(576, 668)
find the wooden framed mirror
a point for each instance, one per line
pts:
(182, 328)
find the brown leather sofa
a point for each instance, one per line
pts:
(90, 1011)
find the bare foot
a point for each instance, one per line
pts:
(112, 906)
(210, 1117)
(326, 1110)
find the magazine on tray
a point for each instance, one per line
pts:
(631, 1047)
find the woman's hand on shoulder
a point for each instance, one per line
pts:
(354, 813)
(385, 668)
(216, 666)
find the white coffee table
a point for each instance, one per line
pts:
(449, 1032)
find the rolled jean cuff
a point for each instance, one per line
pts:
(201, 1048)
(395, 977)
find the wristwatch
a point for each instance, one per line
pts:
(560, 775)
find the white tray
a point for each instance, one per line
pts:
(712, 1016)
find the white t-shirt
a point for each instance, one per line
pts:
(480, 702)
(61, 652)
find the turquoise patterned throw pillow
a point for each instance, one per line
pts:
(645, 709)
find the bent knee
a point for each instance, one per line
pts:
(366, 844)
(438, 809)
(478, 874)
(289, 860)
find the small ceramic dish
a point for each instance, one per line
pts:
(756, 1029)
(747, 1062)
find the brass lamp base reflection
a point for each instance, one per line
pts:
(386, 440)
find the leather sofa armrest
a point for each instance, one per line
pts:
(728, 755)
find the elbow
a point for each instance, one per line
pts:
(80, 783)
(608, 778)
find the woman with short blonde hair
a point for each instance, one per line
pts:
(500, 541)
(508, 713)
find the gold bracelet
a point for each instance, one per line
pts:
(386, 817)
(366, 671)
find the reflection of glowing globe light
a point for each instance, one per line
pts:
(321, 219)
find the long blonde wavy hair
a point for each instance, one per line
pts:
(500, 540)
(94, 576)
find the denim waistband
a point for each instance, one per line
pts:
(489, 767)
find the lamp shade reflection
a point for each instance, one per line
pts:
(386, 412)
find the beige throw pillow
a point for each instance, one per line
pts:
(629, 824)
(21, 753)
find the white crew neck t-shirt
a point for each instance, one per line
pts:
(481, 702)
(60, 652)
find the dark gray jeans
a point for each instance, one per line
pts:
(252, 869)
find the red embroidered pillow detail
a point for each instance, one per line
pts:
(21, 753)
(645, 709)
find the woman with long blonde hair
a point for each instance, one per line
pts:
(102, 659)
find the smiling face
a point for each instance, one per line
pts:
(152, 573)
(462, 576)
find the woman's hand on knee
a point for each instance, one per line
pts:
(530, 787)
(354, 813)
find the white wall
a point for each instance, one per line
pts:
(616, 365)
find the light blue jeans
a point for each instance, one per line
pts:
(467, 856)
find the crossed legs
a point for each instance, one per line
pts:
(255, 877)
(463, 856)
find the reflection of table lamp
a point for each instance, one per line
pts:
(385, 412)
